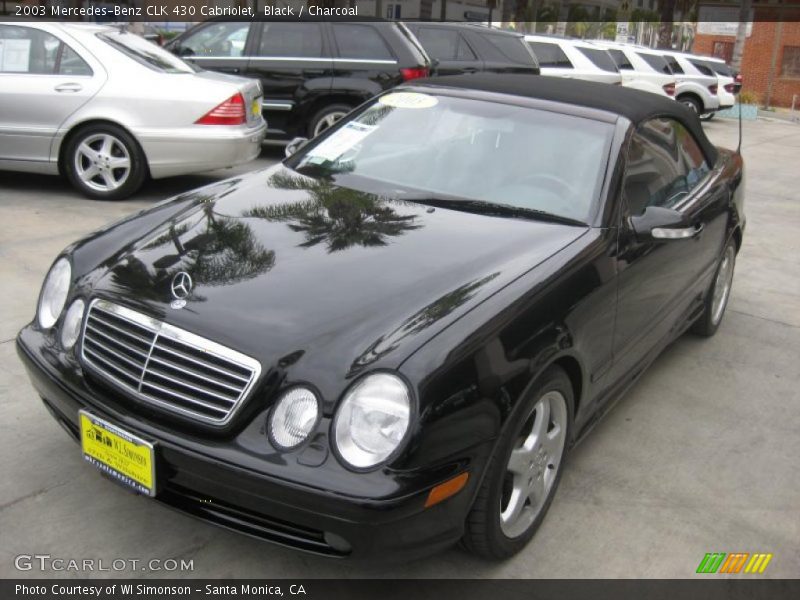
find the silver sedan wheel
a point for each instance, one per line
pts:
(102, 162)
(328, 121)
(722, 285)
(533, 464)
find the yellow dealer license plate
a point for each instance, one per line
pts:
(123, 456)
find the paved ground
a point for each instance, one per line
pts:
(701, 456)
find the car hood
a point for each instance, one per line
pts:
(319, 280)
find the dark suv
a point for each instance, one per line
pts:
(312, 72)
(468, 48)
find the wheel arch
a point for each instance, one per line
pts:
(75, 128)
(694, 96)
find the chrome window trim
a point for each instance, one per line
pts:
(162, 329)
(380, 61)
(277, 105)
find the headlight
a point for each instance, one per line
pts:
(71, 328)
(54, 293)
(293, 418)
(372, 420)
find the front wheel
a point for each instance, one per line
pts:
(523, 475)
(104, 162)
(717, 297)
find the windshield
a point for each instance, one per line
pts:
(416, 146)
(145, 52)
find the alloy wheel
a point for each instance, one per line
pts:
(328, 121)
(722, 285)
(533, 465)
(102, 162)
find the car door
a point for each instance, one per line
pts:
(217, 46)
(660, 282)
(293, 62)
(43, 80)
(449, 48)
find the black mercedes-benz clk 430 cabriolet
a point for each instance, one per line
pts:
(390, 341)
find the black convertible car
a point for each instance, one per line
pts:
(390, 341)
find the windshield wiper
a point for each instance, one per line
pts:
(492, 209)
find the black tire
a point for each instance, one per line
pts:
(483, 533)
(317, 123)
(707, 116)
(691, 102)
(124, 147)
(707, 325)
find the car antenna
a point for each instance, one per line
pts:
(739, 147)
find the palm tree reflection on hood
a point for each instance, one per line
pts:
(336, 216)
(214, 249)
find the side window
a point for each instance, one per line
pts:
(302, 40)
(550, 55)
(218, 39)
(664, 164)
(360, 41)
(72, 64)
(674, 65)
(444, 44)
(441, 44)
(28, 50)
(620, 58)
(657, 63)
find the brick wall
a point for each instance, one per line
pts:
(758, 51)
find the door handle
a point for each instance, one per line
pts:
(68, 87)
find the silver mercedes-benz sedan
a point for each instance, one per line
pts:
(107, 109)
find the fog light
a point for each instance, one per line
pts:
(71, 328)
(293, 418)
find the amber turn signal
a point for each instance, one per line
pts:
(444, 490)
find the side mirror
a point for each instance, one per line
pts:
(295, 145)
(184, 52)
(662, 224)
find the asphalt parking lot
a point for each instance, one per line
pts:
(700, 456)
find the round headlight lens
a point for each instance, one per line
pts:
(71, 328)
(372, 420)
(54, 293)
(293, 418)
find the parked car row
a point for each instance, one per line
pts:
(69, 103)
(704, 84)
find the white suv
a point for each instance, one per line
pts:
(575, 59)
(696, 83)
(641, 68)
(727, 85)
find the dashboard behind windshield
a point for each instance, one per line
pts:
(420, 144)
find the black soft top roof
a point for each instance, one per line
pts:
(635, 105)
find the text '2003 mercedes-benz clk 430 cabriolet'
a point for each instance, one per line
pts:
(389, 342)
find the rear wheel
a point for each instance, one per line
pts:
(691, 103)
(717, 297)
(104, 162)
(707, 116)
(523, 475)
(326, 118)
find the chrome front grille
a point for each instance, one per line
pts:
(165, 366)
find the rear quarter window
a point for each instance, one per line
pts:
(620, 58)
(600, 58)
(511, 48)
(657, 63)
(355, 40)
(550, 55)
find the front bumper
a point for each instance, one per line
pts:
(238, 498)
(200, 148)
